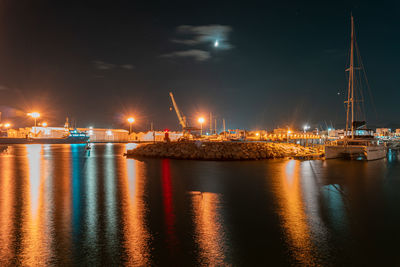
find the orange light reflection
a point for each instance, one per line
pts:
(135, 232)
(209, 228)
(6, 210)
(293, 214)
(35, 248)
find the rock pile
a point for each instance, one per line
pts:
(224, 150)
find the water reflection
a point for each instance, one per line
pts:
(110, 197)
(169, 215)
(7, 210)
(136, 237)
(209, 228)
(35, 244)
(91, 210)
(61, 206)
(62, 195)
(293, 214)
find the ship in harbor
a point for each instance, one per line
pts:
(358, 142)
(72, 137)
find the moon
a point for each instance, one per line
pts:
(216, 43)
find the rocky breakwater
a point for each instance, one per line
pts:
(224, 150)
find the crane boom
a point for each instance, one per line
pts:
(182, 119)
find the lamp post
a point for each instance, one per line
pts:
(288, 133)
(201, 121)
(34, 115)
(306, 127)
(130, 120)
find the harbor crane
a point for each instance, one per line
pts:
(182, 119)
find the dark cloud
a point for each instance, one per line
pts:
(196, 35)
(101, 65)
(196, 54)
(127, 66)
(199, 36)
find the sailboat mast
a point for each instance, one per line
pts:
(352, 76)
(350, 94)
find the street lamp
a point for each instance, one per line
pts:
(130, 120)
(34, 115)
(288, 133)
(201, 121)
(44, 124)
(7, 125)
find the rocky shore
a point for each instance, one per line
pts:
(225, 151)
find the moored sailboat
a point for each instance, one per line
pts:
(355, 144)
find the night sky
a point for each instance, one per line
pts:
(276, 64)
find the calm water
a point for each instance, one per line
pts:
(60, 205)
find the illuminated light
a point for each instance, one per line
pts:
(44, 124)
(216, 44)
(90, 127)
(289, 131)
(166, 130)
(131, 120)
(201, 120)
(34, 115)
(90, 132)
(109, 132)
(7, 125)
(257, 134)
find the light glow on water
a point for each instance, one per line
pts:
(60, 205)
(7, 210)
(134, 209)
(292, 212)
(209, 228)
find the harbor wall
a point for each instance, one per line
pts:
(225, 150)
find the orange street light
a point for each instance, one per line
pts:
(34, 115)
(130, 120)
(288, 133)
(201, 121)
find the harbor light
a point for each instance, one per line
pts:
(7, 125)
(34, 115)
(44, 124)
(201, 121)
(288, 133)
(130, 120)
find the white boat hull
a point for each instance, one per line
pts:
(349, 151)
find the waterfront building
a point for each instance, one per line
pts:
(39, 132)
(383, 132)
(157, 136)
(106, 135)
